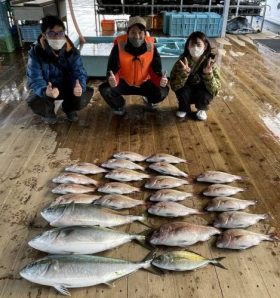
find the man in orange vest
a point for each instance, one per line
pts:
(134, 68)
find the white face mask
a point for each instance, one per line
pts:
(196, 52)
(56, 44)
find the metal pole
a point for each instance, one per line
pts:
(225, 18)
(237, 8)
(181, 6)
(264, 12)
(209, 5)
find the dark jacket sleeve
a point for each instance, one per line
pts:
(156, 68)
(78, 71)
(113, 61)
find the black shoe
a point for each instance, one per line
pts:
(49, 120)
(72, 116)
(149, 105)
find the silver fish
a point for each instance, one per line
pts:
(163, 157)
(184, 261)
(118, 188)
(126, 175)
(76, 271)
(161, 182)
(182, 234)
(221, 190)
(117, 202)
(172, 209)
(130, 156)
(85, 168)
(237, 219)
(228, 204)
(85, 215)
(167, 169)
(121, 163)
(74, 178)
(72, 188)
(217, 177)
(75, 198)
(164, 195)
(242, 239)
(81, 240)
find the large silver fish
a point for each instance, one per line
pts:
(132, 156)
(221, 190)
(182, 234)
(164, 195)
(126, 175)
(161, 182)
(217, 177)
(228, 204)
(163, 157)
(74, 178)
(184, 261)
(242, 239)
(121, 163)
(89, 215)
(76, 271)
(72, 188)
(117, 202)
(85, 168)
(172, 209)
(81, 240)
(167, 169)
(117, 188)
(237, 219)
(75, 198)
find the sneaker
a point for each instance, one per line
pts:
(50, 120)
(148, 104)
(119, 111)
(72, 116)
(201, 115)
(181, 114)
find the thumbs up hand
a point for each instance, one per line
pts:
(164, 80)
(52, 92)
(78, 89)
(112, 79)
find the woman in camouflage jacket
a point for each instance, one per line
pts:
(195, 78)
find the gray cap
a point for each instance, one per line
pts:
(136, 20)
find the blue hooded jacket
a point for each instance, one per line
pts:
(62, 70)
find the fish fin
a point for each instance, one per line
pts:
(218, 264)
(273, 237)
(110, 285)
(144, 243)
(155, 270)
(62, 290)
(144, 220)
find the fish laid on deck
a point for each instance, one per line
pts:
(85, 168)
(115, 201)
(167, 169)
(182, 234)
(89, 215)
(76, 271)
(74, 178)
(217, 177)
(237, 219)
(65, 188)
(242, 239)
(75, 198)
(121, 163)
(228, 204)
(164, 195)
(132, 156)
(161, 182)
(164, 157)
(184, 261)
(81, 240)
(172, 209)
(221, 190)
(117, 188)
(126, 175)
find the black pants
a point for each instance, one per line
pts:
(44, 106)
(193, 94)
(113, 96)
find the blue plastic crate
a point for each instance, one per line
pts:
(176, 25)
(214, 26)
(201, 22)
(189, 23)
(5, 29)
(30, 33)
(166, 22)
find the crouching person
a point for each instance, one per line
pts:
(55, 72)
(134, 68)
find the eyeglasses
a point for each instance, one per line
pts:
(52, 34)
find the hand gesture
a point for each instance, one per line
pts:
(78, 89)
(209, 67)
(112, 80)
(52, 92)
(185, 65)
(164, 80)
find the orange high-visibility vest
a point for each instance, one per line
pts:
(135, 70)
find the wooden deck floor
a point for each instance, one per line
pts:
(241, 136)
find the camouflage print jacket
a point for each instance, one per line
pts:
(178, 78)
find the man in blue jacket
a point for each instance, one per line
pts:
(55, 71)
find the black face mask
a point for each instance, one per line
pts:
(137, 43)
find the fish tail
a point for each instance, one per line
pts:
(272, 237)
(147, 263)
(144, 220)
(216, 262)
(267, 216)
